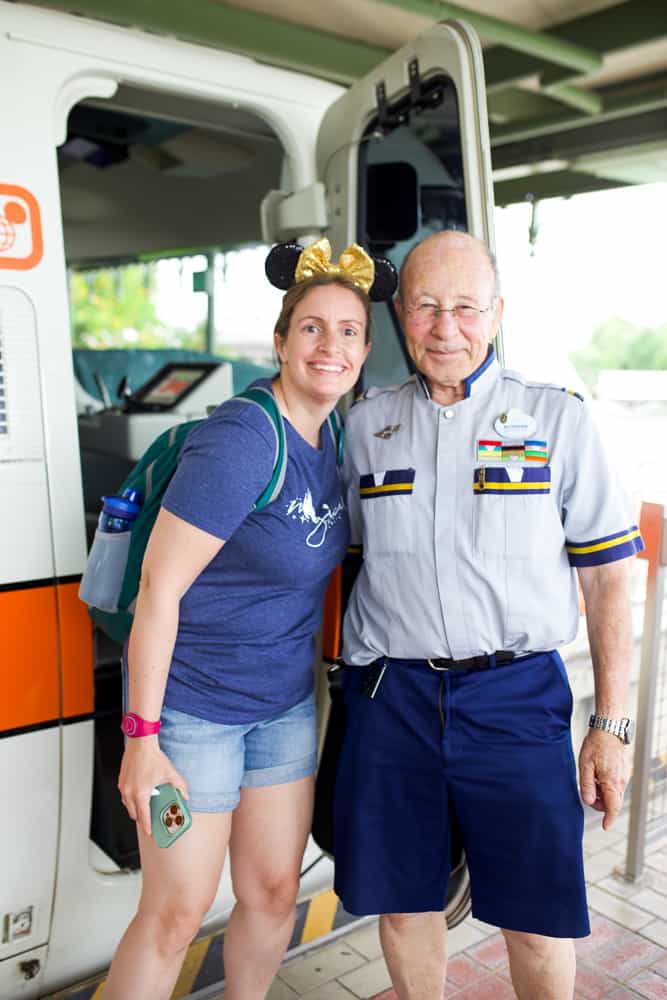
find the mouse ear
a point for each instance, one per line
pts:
(281, 264)
(386, 280)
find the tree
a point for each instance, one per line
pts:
(619, 344)
(114, 307)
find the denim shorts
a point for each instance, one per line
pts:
(217, 760)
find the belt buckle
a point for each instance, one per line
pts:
(433, 667)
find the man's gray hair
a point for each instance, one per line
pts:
(490, 256)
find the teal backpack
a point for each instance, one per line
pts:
(152, 475)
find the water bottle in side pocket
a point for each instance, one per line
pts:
(103, 577)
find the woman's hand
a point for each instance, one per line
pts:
(143, 767)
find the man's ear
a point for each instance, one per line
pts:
(398, 306)
(497, 317)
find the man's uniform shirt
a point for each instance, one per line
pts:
(471, 517)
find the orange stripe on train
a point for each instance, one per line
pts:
(39, 627)
(76, 644)
(333, 616)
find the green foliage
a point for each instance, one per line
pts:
(619, 344)
(114, 307)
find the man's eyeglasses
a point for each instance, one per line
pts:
(464, 314)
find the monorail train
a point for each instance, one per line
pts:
(92, 120)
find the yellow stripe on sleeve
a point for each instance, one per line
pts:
(580, 550)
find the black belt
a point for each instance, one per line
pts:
(483, 662)
(375, 671)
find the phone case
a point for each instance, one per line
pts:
(170, 817)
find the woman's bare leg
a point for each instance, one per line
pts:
(179, 885)
(269, 833)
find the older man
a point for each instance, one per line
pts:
(476, 494)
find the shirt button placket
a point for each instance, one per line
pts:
(445, 510)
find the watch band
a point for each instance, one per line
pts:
(623, 729)
(133, 725)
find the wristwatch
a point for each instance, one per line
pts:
(133, 725)
(624, 729)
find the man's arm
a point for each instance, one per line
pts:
(603, 771)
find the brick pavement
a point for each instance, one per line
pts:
(625, 957)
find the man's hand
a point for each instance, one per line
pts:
(603, 774)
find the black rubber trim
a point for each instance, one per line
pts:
(51, 581)
(49, 724)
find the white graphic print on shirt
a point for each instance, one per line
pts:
(303, 509)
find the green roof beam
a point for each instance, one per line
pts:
(534, 43)
(561, 92)
(619, 27)
(558, 184)
(618, 106)
(511, 104)
(555, 75)
(583, 100)
(217, 25)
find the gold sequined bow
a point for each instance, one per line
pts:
(353, 264)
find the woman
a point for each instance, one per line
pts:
(223, 641)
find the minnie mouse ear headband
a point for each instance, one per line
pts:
(289, 263)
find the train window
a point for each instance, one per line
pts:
(128, 320)
(416, 170)
(160, 197)
(394, 184)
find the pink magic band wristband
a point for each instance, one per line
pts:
(133, 725)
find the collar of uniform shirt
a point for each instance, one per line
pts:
(487, 373)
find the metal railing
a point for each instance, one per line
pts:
(648, 801)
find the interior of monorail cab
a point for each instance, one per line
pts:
(141, 176)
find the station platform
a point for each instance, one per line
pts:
(334, 956)
(625, 958)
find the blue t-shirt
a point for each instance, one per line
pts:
(246, 634)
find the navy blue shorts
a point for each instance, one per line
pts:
(489, 751)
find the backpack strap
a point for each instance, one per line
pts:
(337, 431)
(264, 398)
(260, 396)
(155, 466)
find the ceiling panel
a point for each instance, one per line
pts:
(529, 52)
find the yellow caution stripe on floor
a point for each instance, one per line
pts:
(203, 966)
(320, 916)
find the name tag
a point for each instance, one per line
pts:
(514, 425)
